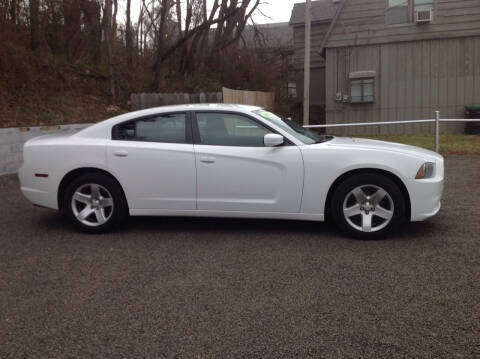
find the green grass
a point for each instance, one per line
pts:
(449, 143)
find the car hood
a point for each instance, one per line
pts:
(362, 143)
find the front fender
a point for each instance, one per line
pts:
(324, 165)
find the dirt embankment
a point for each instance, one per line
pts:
(36, 89)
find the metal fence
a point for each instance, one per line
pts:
(437, 121)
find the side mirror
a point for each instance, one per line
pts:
(273, 139)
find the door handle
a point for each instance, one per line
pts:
(120, 153)
(207, 159)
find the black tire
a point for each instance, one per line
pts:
(108, 188)
(369, 183)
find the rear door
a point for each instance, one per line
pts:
(236, 172)
(153, 159)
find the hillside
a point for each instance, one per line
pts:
(70, 61)
(37, 89)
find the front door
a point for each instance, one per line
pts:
(153, 159)
(236, 172)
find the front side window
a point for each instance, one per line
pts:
(397, 12)
(225, 129)
(361, 90)
(166, 128)
(300, 133)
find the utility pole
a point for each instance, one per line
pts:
(306, 70)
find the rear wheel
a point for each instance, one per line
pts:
(368, 206)
(95, 203)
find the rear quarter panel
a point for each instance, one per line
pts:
(57, 157)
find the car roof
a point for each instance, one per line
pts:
(204, 106)
(186, 107)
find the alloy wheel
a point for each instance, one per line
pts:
(92, 204)
(368, 208)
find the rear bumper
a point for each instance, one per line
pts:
(425, 198)
(40, 191)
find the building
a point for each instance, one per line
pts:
(322, 15)
(391, 60)
(274, 40)
(272, 36)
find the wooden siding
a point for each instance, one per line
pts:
(318, 32)
(363, 22)
(317, 86)
(413, 79)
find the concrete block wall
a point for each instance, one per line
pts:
(12, 140)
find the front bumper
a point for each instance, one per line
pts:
(425, 198)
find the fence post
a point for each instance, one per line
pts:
(437, 131)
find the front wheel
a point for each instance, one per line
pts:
(368, 206)
(95, 203)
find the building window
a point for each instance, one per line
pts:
(419, 5)
(403, 11)
(397, 12)
(361, 90)
(292, 89)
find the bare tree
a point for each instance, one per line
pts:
(178, 4)
(165, 6)
(72, 26)
(129, 38)
(196, 15)
(195, 34)
(139, 30)
(34, 25)
(13, 11)
(150, 19)
(231, 20)
(107, 34)
(93, 29)
(205, 33)
(236, 17)
(114, 20)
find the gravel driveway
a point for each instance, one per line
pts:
(202, 288)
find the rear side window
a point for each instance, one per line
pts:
(166, 128)
(226, 129)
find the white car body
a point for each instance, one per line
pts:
(188, 179)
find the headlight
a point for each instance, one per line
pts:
(427, 170)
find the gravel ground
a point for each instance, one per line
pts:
(201, 288)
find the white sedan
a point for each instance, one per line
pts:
(216, 160)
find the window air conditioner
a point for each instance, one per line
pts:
(423, 16)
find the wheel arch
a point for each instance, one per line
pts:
(70, 176)
(388, 174)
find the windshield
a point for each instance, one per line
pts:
(306, 136)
